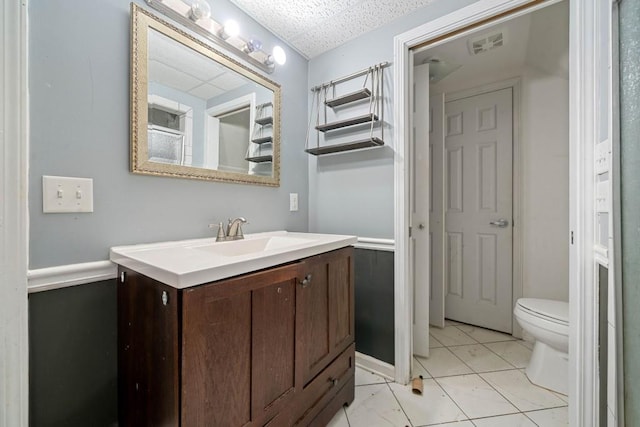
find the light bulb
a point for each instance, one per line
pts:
(252, 45)
(200, 9)
(279, 56)
(230, 29)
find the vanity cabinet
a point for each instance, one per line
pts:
(274, 347)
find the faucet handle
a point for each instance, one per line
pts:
(221, 233)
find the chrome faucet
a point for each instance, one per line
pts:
(234, 229)
(232, 232)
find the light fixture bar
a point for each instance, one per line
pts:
(213, 35)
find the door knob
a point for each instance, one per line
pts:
(421, 226)
(502, 223)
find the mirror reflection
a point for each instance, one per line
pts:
(207, 116)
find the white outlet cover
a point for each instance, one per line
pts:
(293, 202)
(66, 194)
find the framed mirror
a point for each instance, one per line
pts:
(197, 113)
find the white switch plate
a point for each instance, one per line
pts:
(293, 202)
(64, 194)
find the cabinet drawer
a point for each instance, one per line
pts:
(317, 394)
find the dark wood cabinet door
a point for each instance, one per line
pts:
(324, 311)
(216, 357)
(148, 352)
(238, 343)
(341, 301)
(273, 347)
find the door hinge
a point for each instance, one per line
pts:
(572, 237)
(410, 229)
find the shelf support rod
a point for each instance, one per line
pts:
(350, 76)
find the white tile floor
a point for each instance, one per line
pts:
(473, 378)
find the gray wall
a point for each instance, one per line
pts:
(374, 304)
(73, 356)
(79, 126)
(352, 193)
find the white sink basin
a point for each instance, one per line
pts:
(251, 246)
(186, 263)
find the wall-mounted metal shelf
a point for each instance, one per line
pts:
(371, 90)
(358, 95)
(263, 140)
(260, 159)
(263, 117)
(367, 118)
(265, 121)
(347, 146)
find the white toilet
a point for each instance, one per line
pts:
(548, 322)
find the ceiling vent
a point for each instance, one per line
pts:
(487, 42)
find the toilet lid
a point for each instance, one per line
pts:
(556, 311)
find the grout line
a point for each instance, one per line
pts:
(400, 405)
(530, 419)
(508, 363)
(346, 416)
(423, 367)
(451, 398)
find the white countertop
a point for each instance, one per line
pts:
(186, 263)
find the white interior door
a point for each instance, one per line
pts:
(419, 194)
(436, 209)
(478, 209)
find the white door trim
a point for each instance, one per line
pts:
(583, 307)
(14, 339)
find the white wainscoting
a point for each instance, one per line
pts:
(64, 276)
(388, 245)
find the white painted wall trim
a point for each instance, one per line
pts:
(14, 242)
(64, 276)
(387, 245)
(375, 366)
(584, 39)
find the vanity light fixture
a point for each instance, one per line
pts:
(200, 9)
(278, 56)
(252, 45)
(196, 16)
(230, 29)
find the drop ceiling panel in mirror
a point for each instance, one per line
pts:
(197, 113)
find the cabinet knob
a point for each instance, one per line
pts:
(306, 281)
(334, 381)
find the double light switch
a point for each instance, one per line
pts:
(64, 194)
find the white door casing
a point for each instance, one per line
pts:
(419, 195)
(14, 154)
(478, 171)
(584, 49)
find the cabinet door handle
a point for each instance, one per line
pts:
(334, 381)
(306, 281)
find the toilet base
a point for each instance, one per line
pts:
(549, 368)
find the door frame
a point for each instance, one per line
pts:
(14, 242)
(584, 40)
(517, 190)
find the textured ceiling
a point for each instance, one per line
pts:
(316, 26)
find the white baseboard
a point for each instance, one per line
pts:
(64, 276)
(376, 366)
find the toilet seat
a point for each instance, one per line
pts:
(552, 311)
